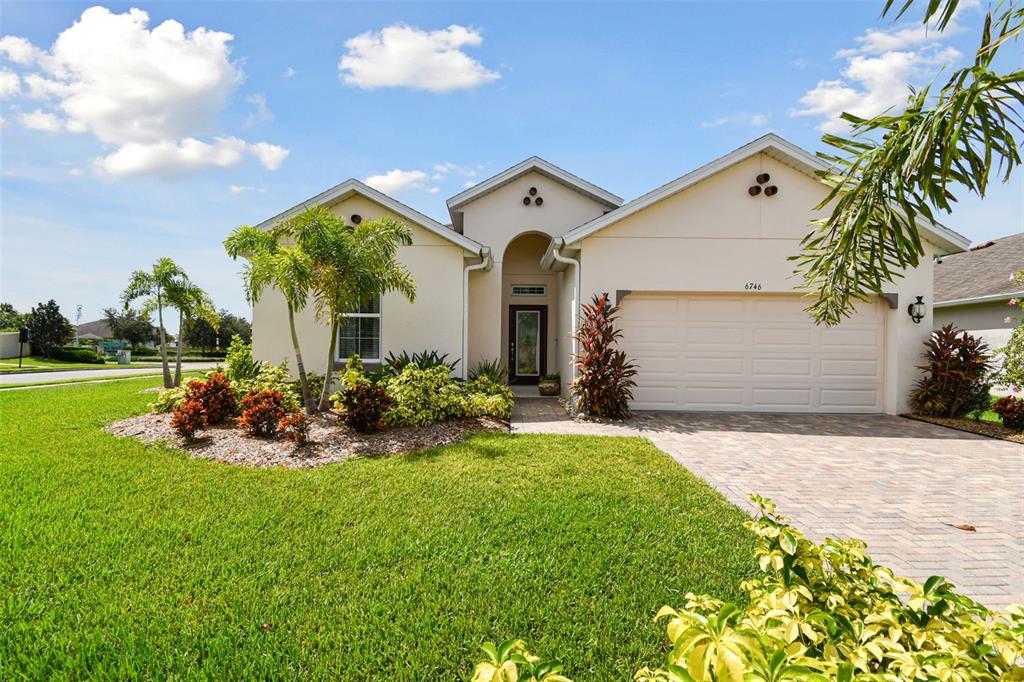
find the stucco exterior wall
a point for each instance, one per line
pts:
(9, 345)
(713, 237)
(990, 315)
(497, 218)
(433, 321)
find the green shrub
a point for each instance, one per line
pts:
(955, 374)
(818, 613)
(604, 377)
(485, 396)
(272, 378)
(77, 354)
(239, 361)
(426, 359)
(420, 397)
(169, 399)
(316, 385)
(1011, 411)
(495, 370)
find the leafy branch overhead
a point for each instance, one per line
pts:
(896, 172)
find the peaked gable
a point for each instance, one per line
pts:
(353, 187)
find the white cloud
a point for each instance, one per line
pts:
(75, 172)
(242, 189)
(10, 84)
(288, 73)
(405, 56)
(468, 183)
(752, 120)
(149, 93)
(45, 121)
(271, 156)
(397, 180)
(19, 50)
(871, 85)
(442, 170)
(261, 112)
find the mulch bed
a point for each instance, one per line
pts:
(973, 426)
(329, 440)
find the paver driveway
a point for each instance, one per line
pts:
(893, 482)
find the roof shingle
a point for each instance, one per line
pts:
(983, 271)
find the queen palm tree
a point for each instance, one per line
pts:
(155, 284)
(350, 265)
(287, 268)
(192, 303)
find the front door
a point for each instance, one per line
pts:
(528, 347)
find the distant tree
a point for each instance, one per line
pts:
(10, 319)
(48, 330)
(154, 284)
(200, 334)
(128, 325)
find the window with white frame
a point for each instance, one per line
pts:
(529, 290)
(359, 334)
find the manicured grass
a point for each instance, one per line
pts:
(41, 381)
(119, 560)
(37, 364)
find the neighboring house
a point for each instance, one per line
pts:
(711, 311)
(95, 330)
(972, 288)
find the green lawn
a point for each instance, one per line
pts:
(36, 364)
(121, 561)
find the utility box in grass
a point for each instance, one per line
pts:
(124, 357)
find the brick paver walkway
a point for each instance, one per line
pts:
(893, 482)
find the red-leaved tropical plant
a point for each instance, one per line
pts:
(956, 369)
(604, 377)
(261, 413)
(189, 417)
(295, 427)
(215, 395)
(1011, 411)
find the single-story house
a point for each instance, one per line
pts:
(972, 288)
(710, 308)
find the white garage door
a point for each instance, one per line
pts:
(758, 353)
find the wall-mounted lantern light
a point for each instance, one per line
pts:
(916, 310)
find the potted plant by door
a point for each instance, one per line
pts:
(550, 384)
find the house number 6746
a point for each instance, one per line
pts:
(752, 286)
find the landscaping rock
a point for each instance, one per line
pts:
(329, 440)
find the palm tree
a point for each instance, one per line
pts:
(350, 266)
(192, 302)
(289, 269)
(155, 284)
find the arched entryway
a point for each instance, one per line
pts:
(529, 301)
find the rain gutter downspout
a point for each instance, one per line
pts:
(484, 264)
(575, 296)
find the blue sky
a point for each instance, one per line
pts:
(124, 142)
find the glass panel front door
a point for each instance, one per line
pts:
(527, 359)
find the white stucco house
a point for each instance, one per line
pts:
(711, 311)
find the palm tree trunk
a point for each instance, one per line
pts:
(177, 360)
(307, 395)
(325, 400)
(163, 341)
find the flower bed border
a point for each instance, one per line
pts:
(979, 428)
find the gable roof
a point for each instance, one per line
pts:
(99, 329)
(353, 187)
(539, 165)
(774, 146)
(981, 273)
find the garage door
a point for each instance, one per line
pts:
(759, 353)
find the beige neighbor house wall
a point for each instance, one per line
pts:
(9, 345)
(497, 218)
(713, 237)
(434, 321)
(987, 320)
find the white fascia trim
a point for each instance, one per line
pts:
(778, 148)
(538, 164)
(353, 186)
(991, 298)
